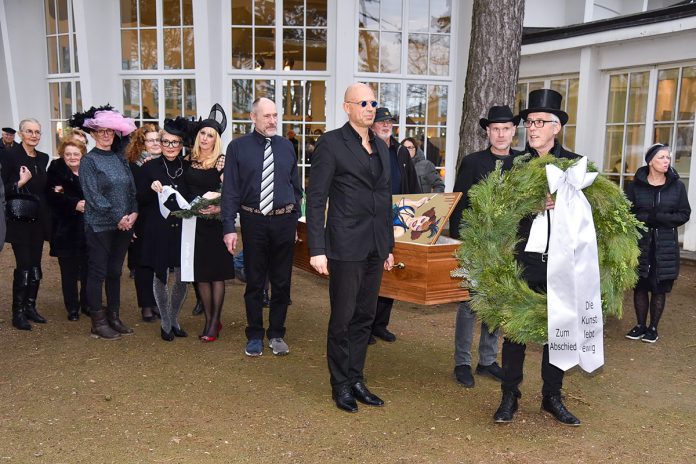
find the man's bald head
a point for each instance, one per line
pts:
(264, 115)
(359, 115)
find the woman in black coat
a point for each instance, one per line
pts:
(659, 200)
(67, 203)
(24, 168)
(162, 236)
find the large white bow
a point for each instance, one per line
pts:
(188, 231)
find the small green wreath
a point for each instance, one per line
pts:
(196, 206)
(489, 235)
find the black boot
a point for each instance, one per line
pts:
(100, 327)
(116, 323)
(19, 295)
(32, 291)
(554, 406)
(507, 409)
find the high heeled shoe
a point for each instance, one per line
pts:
(166, 336)
(179, 332)
(211, 338)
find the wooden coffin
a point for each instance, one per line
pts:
(422, 274)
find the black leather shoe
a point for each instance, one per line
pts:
(554, 406)
(372, 340)
(507, 409)
(463, 375)
(492, 370)
(365, 396)
(179, 332)
(198, 309)
(384, 334)
(73, 316)
(166, 336)
(345, 400)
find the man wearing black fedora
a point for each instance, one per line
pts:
(404, 180)
(500, 128)
(8, 138)
(543, 119)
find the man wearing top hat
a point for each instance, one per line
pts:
(404, 180)
(543, 120)
(500, 127)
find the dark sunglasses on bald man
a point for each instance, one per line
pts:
(364, 103)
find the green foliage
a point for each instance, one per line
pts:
(489, 235)
(196, 206)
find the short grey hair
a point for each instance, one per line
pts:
(26, 121)
(555, 118)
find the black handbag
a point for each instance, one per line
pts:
(22, 206)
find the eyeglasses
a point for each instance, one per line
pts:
(170, 143)
(104, 132)
(37, 133)
(409, 147)
(364, 103)
(538, 123)
(152, 140)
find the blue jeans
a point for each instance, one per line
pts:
(464, 335)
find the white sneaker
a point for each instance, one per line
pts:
(279, 347)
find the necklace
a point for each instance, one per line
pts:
(179, 171)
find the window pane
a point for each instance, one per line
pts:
(418, 16)
(189, 49)
(418, 53)
(148, 49)
(75, 60)
(391, 15)
(150, 99)
(440, 15)
(316, 101)
(52, 51)
(437, 104)
(535, 86)
(635, 136)
(520, 98)
(172, 48)
(62, 14)
(78, 97)
(638, 97)
(687, 95)
(415, 103)
(241, 12)
(316, 49)
(682, 149)
(241, 48)
(189, 98)
(435, 147)
(560, 87)
(293, 48)
(439, 55)
(264, 88)
(265, 12)
(369, 14)
(368, 51)
(389, 96)
(239, 129)
(572, 101)
(663, 134)
(316, 13)
(172, 98)
(129, 13)
(148, 13)
(265, 48)
(131, 98)
(66, 106)
(666, 94)
(297, 144)
(390, 52)
(171, 12)
(56, 132)
(129, 49)
(613, 148)
(293, 12)
(292, 100)
(50, 17)
(63, 54)
(569, 137)
(617, 98)
(54, 95)
(242, 96)
(188, 12)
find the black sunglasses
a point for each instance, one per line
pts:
(364, 103)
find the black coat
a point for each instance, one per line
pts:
(13, 160)
(534, 264)
(407, 170)
(68, 224)
(662, 208)
(359, 218)
(474, 168)
(161, 238)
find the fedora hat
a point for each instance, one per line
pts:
(499, 114)
(545, 101)
(383, 114)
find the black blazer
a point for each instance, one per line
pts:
(359, 217)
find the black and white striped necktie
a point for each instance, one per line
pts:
(266, 197)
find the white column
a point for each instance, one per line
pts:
(690, 229)
(346, 53)
(591, 108)
(8, 112)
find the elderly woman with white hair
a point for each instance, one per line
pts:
(110, 212)
(24, 173)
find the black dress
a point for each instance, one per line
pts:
(211, 260)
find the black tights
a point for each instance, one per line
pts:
(212, 295)
(644, 303)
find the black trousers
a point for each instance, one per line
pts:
(73, 269)
(269, 246)
(383, 314)
(106, 252)
(353, 290)
(143, 278)
(513, 363)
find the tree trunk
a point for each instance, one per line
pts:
(494, 60)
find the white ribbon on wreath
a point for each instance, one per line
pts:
(188, 230)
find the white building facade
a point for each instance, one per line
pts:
(627, 68)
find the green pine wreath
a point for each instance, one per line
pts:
(489, 235)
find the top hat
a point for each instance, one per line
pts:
(499, 114)
(383, 114)
(9, 130)
(545, 101)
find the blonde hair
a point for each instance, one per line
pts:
(71, 143)
(196, 152)
(70, 132)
